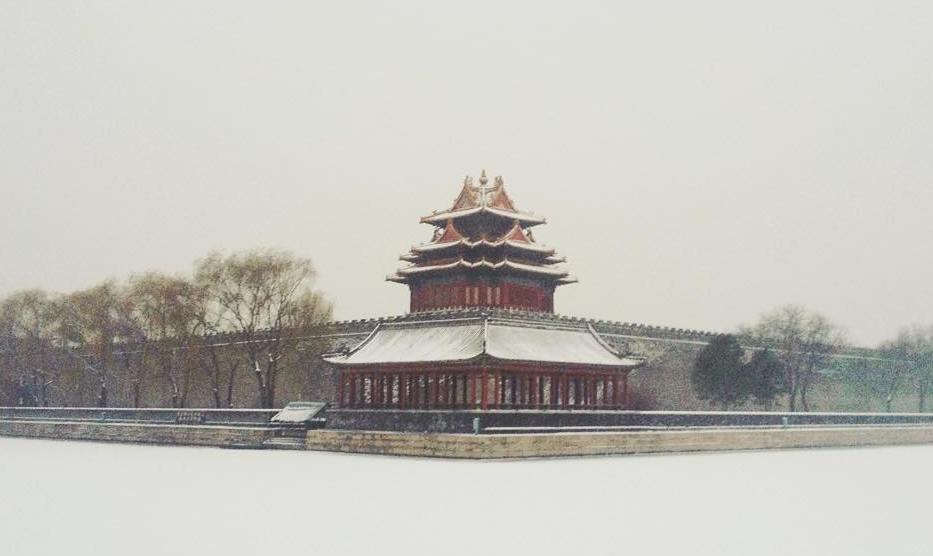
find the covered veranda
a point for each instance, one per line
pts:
(482, 364)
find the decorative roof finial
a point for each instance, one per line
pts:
(483, 179)
(498, 181)
(468, 181)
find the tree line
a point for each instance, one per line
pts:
(787, 351)
(226, 335)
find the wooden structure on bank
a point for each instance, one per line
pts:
(483, 363)
(483, 255)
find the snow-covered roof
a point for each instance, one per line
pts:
(468, 340)
(524, 218)
(482, 243)
(483, 263)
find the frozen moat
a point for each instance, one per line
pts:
(72, 498)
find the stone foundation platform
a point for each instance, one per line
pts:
(498, 446)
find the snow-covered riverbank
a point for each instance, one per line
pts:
(73, 499)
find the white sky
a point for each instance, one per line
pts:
(699, 163)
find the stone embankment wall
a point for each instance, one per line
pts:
(467, 446)
(481, 446)
(181, 435)
(526, 420)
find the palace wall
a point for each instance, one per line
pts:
(664, 383)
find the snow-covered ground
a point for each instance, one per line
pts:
(70, 498)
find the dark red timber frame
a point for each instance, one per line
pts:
(482, 387)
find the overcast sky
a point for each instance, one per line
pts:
(699, 162)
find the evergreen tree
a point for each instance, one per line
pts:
(765, 377)
(719, 375)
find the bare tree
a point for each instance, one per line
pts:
(910, 359)
(213, 347)
(264, 296)
(922, 358)
(90, 321)
(136, 349)
(28, 335)
(163, 309)
(803, 342)
(7, 358)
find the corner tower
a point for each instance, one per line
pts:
(483, 254)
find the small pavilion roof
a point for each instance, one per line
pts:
(480, 199)
(472, 339)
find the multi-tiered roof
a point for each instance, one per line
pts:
(483, 233)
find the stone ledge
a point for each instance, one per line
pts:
(468, 446)
(180, 435)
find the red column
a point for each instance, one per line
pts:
(425, 391)
(340, 388)
(448, 389)
(417, 390)
(484, 390)
(534, 391)
(406, 384)
(352, 401)
(361, 394)
(366, 389)
(497, 383)
(441, 390)
(401, 387)
(625, 394)
(471, 385)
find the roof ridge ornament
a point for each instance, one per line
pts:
(483, 180)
